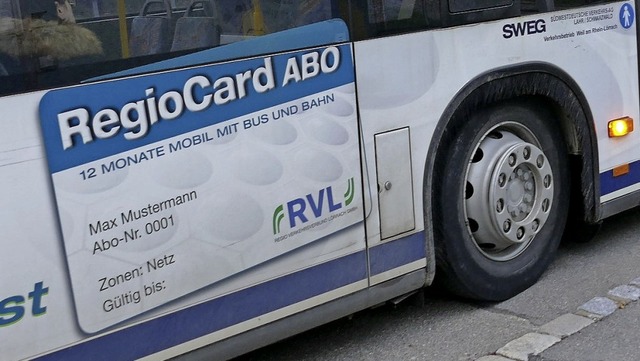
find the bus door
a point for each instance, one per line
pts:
(393, 191)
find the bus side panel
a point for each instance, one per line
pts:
(35, 306)
(219, 219)
(417, 76)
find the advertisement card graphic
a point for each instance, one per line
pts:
(169, 182)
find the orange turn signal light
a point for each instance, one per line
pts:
(621, 170)
(620, 127)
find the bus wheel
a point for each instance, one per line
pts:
(502, 201)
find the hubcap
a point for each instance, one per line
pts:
(509, 192)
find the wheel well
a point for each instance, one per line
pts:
(547, 86)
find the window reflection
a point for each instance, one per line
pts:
(38, 34)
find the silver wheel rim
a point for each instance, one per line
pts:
(509, 191)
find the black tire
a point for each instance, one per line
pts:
(482, 252)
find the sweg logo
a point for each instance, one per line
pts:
(298, 209)
(524, 28)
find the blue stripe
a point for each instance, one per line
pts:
(185, 325)
(390, 255)
(202, 319)
(609, 183)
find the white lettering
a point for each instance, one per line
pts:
(140, 122)
(67, 130)
(103, 119)
(291, 72)
(189, 101)
(264, 73)
(135, 118)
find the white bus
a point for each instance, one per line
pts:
(197, 179)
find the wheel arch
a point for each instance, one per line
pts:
(544, 83)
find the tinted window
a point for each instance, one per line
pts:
(47, 43)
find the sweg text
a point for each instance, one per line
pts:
(524, 28)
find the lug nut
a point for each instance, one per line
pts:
(506, 226)
(502, 179)
(535, 225)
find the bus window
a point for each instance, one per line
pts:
(374, 18)
(93, 9)
(231, 14)
(151, 33)
(459, 12)
(38, 35)
(312, 11)
(537, 6)
(269, 16)
(104, 38)
(458, 6)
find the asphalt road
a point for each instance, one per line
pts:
(445, 328)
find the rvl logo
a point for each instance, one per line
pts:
(311, 206)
